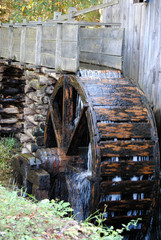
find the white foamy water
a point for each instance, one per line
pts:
(80, 189)
(79, 106)
(99, 73)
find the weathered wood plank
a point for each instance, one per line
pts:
(67, 118)
(101, 59)
(133, 114)
(87, 10)
(118, 82)
(124, 130)
(128, 169)
(126, 148)
(116, 101)
(126, 205)
(107, 46)
(123, 187)
(106, 88)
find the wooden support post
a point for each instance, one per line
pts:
(57, 16)
(10, 40)
(22, 46)
(38, 42)
(70, 12)
(58, 47)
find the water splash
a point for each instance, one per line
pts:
(99, 73)
(79, 106)
(80, 189)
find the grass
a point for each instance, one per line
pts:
(22, 218)
(9, 147)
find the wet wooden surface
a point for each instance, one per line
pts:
(124, 144)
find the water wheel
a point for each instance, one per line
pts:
(101, 142)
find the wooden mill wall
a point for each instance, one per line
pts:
(142, 46)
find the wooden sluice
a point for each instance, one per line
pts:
(109, 116)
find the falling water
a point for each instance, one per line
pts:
(80, 190)
(99, 73)
(79, 106)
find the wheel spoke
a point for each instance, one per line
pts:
(67, 116)
(55, 118)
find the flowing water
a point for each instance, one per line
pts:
(80, 190)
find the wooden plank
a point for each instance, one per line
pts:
(121, 114)
(68, 114)
(128, 169)
(56, 122)
(124, 130)
(97, 89)
(126, 148)
(94, 8)
(90, 9)
(104, 33)
(116, 101)
(108, 81)
(126, 187)
(101, 59)
(126, 205)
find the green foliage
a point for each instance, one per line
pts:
(8, 146)
(24, 219)
(5, 10)
(28, 219)
(31, 10)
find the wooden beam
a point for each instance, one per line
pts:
(90, 9)
(94, 8)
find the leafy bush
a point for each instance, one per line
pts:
(45, 9)
(23, 219)
(8, 148)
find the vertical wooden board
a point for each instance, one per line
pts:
(69, 64)
(4, 41)
(49, 33)
(70, 33)
(90, 45)
(16, 43)
(90, 33)
(113, 33)
(136, 39)
(145, 49)
(111, 61)
(47, 60)
(131, 39)
(152, 55)
(48, 47)
(107, 13)
(112, 47)
(142, 32)
(70, 48)
(30, 45)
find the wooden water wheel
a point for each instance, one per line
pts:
(111, 118)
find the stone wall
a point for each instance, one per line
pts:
(24, 95)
